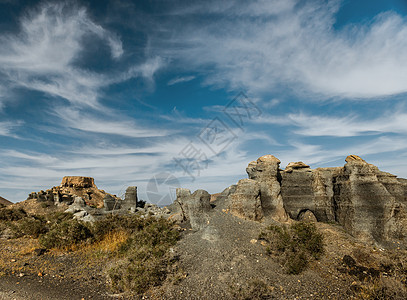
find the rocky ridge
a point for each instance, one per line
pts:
(4, 202)
(370, 204)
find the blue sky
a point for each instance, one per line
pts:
(128, 92)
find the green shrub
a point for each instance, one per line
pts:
(57, 218)
(296, 245)
(65, 234)
(146, 260)
(127, 223)
(12, 214)
(32, 226)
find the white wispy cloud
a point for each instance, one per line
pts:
(43, 56)
(347, 126)
(107, 123)
(290, 44)
(7, 128)
(181, 79)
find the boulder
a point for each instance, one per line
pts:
(297, 166)
(307, 216)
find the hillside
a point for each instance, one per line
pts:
(4, 202)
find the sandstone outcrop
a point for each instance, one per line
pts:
(266, 172)
(193, 207)
(71, 187)
(245, 201)
(368, 203)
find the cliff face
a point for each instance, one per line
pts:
(370, 204)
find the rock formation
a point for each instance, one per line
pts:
(86, 202)
(71, 187)
(266, 172)
(193, 207)
(245, 201)
(368, 203)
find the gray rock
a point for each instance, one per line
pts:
(130, 198)
(194, 208)
(245, 201)
(110, 203)
(266, 171)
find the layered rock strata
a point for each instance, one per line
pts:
(368, 203)
(71, 187)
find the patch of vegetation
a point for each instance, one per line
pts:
(146, 259)
(32, 226)
(111, 223)
(65, 234)
(254, 289)
(296, 245)
(12, 214)
(138, 247)
(382, 289)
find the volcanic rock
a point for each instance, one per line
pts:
(266, 171)
(368, 203)
(194, 207)
(245, 201)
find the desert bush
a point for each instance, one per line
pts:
(296, 244)
(65, 234)
(32, 226)
(146, 259)
(57, 218)
(12, 214)
(382, 289)
(254, 289)
(110, 223)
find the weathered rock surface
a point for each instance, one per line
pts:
(194, 207)
(368, 203)
(267, 173)
(296, 166)
(245, 201)
(71, 187)
(78, 182)
(306, 189)
(130, 199)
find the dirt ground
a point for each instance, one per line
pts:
(217, 262)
